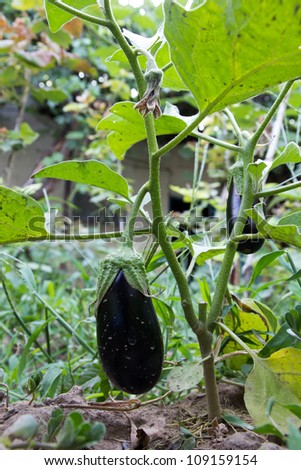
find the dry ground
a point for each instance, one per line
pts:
(154, 426)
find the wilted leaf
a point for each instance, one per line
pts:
(264, 261)
(291, 154)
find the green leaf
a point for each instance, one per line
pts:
(49, 94)
(90, 172)
(54, 423)
(264, 261)
(50, 381)
(293, 318)
(26, 134)
(294, 437)
(262, 308)
(294, 218)
(296, 409)
(25, 427)
(295, 276)
(171, 77)
(237, 422)
(67, 434)
(28, 277)
(257, 170)
(278, 377)
(282, 233)
(25, 354)
(291, 154)
(233, 50)
(205, 290)
(164, 311)
(268, 429)
(203, 253)
(77, 433)
(21, 217)
(57, 17)
(123, 117)
(184, 377)
(281, 340)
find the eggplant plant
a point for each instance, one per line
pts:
(208, 52)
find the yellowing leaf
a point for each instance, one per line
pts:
(244, 322)
(277, 378)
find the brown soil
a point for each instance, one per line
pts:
(154, 426)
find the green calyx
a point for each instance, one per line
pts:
(132, 265)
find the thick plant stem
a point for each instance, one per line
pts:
(213, 402)
(159, 228)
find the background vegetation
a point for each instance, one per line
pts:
(47, 332)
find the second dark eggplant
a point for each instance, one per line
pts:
(129, 337)
(233, 205)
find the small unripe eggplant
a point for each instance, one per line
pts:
(129, 338)
(233, 205)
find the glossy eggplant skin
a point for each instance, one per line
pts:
(233, 205)
(129, 338)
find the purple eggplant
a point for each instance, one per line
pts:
(233, 205)
(129, 337)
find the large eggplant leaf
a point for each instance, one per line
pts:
(127, 125)
(277, 378)
(21, 217)
(88, 172)
(228, 51)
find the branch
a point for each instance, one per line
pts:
(64, 237)
(271, 113)
(278, 190)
